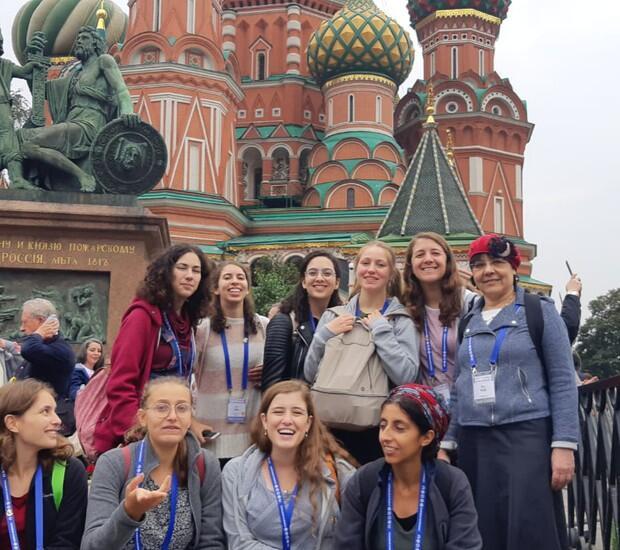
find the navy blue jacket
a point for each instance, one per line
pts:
(50, 361)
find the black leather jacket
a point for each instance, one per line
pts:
(286, 346)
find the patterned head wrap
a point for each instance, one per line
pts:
(430, 402)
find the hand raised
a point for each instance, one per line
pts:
(341, 324)
(48, 329)
(138, 501)
(371, 317)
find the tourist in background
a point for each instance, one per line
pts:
(42, 484)
(571, 307)
(284, 491)
(10, 360)
(90, 359)
(514, 418)
(436, 299)
(162, 490)
(291, 330)
(47, 356)
(228, 372)
(156, 337)
(408, 494)
(375, 303)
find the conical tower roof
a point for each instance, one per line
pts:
(431, 197)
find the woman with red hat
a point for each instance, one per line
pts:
(513, 417)
(408, 499)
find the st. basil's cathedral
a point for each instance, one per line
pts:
(285, 130)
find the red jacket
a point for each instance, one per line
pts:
(132, 357)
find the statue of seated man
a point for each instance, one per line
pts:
(80, 104)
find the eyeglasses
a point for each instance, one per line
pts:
(163, 409)
(326, 273)
(480, 265)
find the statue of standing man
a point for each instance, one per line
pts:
(80, 104)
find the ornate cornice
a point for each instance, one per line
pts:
(464, 12)
(360, 77)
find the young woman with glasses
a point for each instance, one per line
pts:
(162, 490)
(291, 330)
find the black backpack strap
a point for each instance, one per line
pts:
(535, 324)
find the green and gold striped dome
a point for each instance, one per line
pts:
(61, 20)
(360, 38)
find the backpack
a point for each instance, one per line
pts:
(351, 383)
(200, 463)
(533, 317)
(90, 402)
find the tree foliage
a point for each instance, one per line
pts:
(599, 337)
(20, 108)
(272, 281)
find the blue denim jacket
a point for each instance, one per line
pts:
(522, 389)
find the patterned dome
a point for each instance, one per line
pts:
(419, 9)
(61, 20)
(360, 38)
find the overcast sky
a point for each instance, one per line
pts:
(560, 59)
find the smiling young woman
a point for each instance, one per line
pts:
(291, 330)
(163, 490)
(374, 305)
(284, 491)
(32, 456)
(228, 372)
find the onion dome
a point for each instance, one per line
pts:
(60, 20)
(419, 9)
(360, 38)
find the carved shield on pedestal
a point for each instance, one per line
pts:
(128, 161)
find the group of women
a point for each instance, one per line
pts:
(288, 480)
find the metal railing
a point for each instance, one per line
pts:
(594, 495)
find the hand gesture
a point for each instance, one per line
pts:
(341, 324)
(131, 120)
(371, 317)
(197, 428)
(562, 467)
(48, 329)
(574, 284)
(139, 501)
(255, 374)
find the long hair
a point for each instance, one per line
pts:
(15, 399)
(451, 301)
(156, 288)
(318, 446)
(297, 300)
(138, 432)
(82, 353)
(395, 283)
(218, 319)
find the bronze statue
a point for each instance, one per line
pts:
(95, 142)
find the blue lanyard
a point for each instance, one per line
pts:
(176, 349)
(174, 493)
(430, 362)
(419, 528)
(246, 362)
(358, 311)
(499, 340)
(38, 506)
(286, 513)
(312, 322)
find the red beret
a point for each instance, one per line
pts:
(497, 247)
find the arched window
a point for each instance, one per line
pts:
(454, 68)
(260, 66)
(481, 64)
(379, 109)
(350, 198)
(351, 108)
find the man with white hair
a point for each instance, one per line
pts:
(48, 357)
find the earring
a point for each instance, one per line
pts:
(306, 435)
(265, 433)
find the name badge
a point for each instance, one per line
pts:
(236, 411)
(444, 391)
(484, 388)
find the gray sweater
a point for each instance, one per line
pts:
(108, 525)
(397, 343)
(240, 485)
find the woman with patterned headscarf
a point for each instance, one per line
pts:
(408, 499)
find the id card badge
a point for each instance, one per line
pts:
(236, 411)
(484, 388)
(444, 391)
